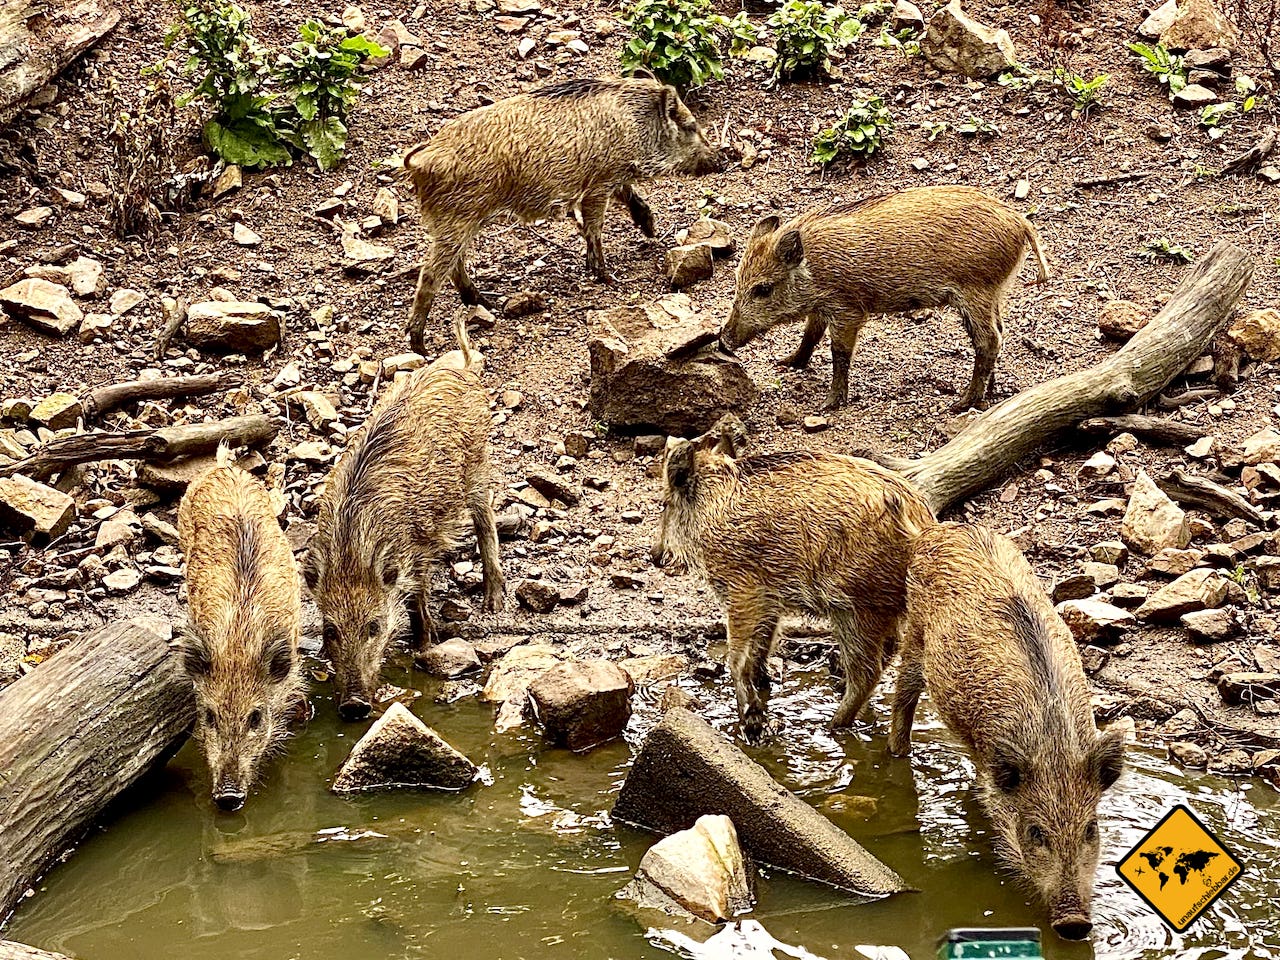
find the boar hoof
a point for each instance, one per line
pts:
(494, 602)
(757, 729)
(797, 361)
(835, 402)
(969, 403)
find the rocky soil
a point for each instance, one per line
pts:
(1178, 610)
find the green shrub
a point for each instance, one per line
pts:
(1167, 67)
(857, 135)
(261, 106)
(1163, 248)
(681, 41)
(1082, 93)
(806, 35)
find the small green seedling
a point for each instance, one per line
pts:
(1165, 249)
(1167, 67)
(859, 134)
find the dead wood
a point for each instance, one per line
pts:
(74, 735)
(1254, 155)
(1152, 429)
(166, 443)
(991, 444)
(38, 40)
(103, 400)
(175, 315)
(1213, 498)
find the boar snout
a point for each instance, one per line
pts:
(1074, 927)
(354, 708)
(229, 799)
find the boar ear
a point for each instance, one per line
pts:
(680, 465)
(1007, 771)
(790, 248)
(731, 436)
(765, 226)
(640, 73)
(278, 658)
(196, 661)
(1106, 758)
(669, 103)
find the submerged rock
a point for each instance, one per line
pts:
(582, 703)
(400, 751)
(700, 870)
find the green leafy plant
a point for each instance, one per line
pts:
(857, 135)
(934, 130)
(262, 104)
(806, 34)
(1018, 78)
(1167, 67)
(976, 126)
(1216, 113)
(1163, 248)
(904, 41)
(1082, 93)
(320, 77)
(681, 41)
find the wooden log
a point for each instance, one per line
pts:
(20, 951)
(166, 443)
(988, 447)
(39, 38)
(1153, 429)
(1213, 498)
(74, 735)
(99, 402)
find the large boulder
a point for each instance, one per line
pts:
(401, 751)
(686, 770)
(33, 510)
(233, 326)
(582, 703)
(83, 275)
(956, 43)
(1152, 522)
(1200, 25)
(44, 305)
(700, 871)
(657, 365)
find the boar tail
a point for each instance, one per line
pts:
(1042, 262)
(464, 341)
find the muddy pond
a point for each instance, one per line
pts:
(527, 866)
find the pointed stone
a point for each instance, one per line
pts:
(701, 870)
(1152, 522)
(400, 751)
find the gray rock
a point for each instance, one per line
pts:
(233, 326)
(1193, 95)
(1152, 521)
(1197, 590)
(1238, 688)
(1190, 755)
(1093, 621)
(1075, 586)
(906, 16)
(956, 43)
(538, 595)
(685, 265)
(400, 751)
(31, 509)
(1213, 626)
(686, 770)
(701, 871)
(582, 703)
(657, 365)
(1159, 20)
(449, 659)
(57, 411)
(46, 306)
(555, 487)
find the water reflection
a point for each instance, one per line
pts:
(527, 866)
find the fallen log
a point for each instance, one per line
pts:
(1213, 498)
(86, 726)
(97, 403)
(991, 444)
(38, 40)
(1152, 429)
(20, 951)
(165, 443)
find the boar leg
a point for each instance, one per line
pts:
(981, 319)
(592, 209)
(907, 693)
(468, 292)
(814, 328)
(442, 258)
(481, 507)
(641, 212)
(861, 636)
(752, 632)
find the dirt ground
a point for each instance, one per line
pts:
(907, 371)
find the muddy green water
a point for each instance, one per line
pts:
(527, 866)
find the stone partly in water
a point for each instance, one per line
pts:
(450, 659)
(582, 703)
(508, 681)
(657, 365)
(400, 751)
(686, 769)
(700, 871)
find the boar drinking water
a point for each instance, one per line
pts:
(398, 499)
(240, 643)
(1002, 670)
(577, 144)
(925, 247)
(774, 533)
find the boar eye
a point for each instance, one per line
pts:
(255, 719)
(762, 290)
(329, 634)
(1091, 831)
(374, 628)
(1037, 836)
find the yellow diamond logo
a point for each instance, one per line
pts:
(1179, 868)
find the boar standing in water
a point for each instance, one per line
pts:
(240, 643)
(578, 143)
(924, 247)
(395, 503)
(812, 532)
(1003, 671)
